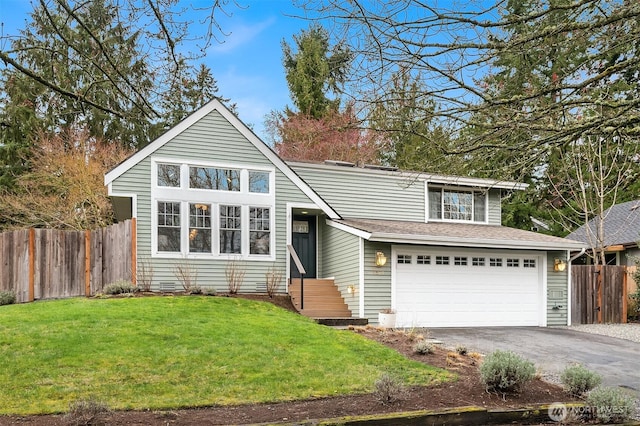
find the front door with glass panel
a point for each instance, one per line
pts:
(304, 242)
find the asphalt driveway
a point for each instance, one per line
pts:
(552, 349)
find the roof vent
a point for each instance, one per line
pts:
(339, 163)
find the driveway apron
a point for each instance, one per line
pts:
(552, 349)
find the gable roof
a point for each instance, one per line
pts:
(216, 105)
(621, 226)
(452, 234)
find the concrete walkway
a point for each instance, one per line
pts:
(552, 349)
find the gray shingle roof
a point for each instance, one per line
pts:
(460, 234)
(621, 226)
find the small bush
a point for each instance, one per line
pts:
(578, 380)
(86, 412)
(196, 289)
(209, 291)
(461, 350)
(120, 287)
(7, 298)
(389, 389)
(423, 348)
(611, 405)
(505, 371)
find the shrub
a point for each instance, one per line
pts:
(578, 380)
(120, 287)
(505, 371)
(389, 389)
(234, 272)
(86, 412)
(7, 298)
(273, 277)
(209, 291)
(423, 348)
(196, 289)
(187, 274)
(461, 350)
(611, 405)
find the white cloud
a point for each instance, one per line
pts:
(240, 35)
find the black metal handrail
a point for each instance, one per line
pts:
(301, 270)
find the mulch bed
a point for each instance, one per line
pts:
(465, 391)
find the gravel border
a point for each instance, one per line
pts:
(629, 331)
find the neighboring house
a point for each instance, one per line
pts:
(621, 231)
(431, 247)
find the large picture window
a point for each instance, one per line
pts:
(199, 228)
(230, 229)
(168, 226)
(259, 230)
(212, 210)
(455, 205)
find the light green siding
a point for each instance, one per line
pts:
(367, 195)
(210, 139)
(377, 281)
(362, 193)
(557, 302)
(340, 260)
(495, 207)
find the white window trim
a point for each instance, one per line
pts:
(457, 189)
(185, 196)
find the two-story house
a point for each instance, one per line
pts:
(430, 247)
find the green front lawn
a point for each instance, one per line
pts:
(168, 352)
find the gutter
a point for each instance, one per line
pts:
(575, 256)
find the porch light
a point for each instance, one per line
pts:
(559, 265)
(381, 259)
(351, 289)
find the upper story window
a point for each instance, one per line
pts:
(457, 205)
(169, 175)
(258, 182)
(214, 178)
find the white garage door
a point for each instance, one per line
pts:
(447, 287)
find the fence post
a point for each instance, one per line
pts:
(87, 263)
(32, 263)
(625, 295)
(599, 285)
(134, 249)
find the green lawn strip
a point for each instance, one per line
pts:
(169, 352)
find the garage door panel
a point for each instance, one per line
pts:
(466, 295)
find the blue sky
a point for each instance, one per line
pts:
(247, 66)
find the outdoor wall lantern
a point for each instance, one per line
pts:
(559, 265)
(351, 289)
(381, 259)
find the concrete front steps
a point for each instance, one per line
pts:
(322, 302)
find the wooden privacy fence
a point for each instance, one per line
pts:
(49, 263)
(598, 294)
